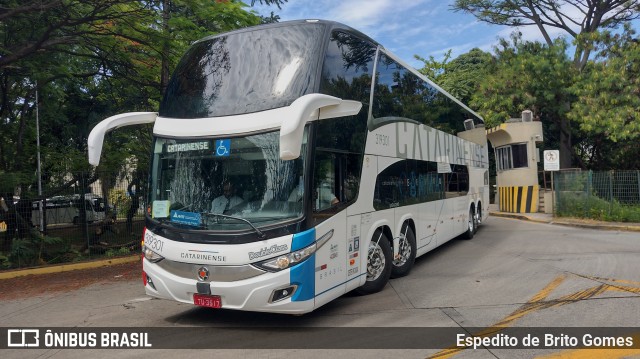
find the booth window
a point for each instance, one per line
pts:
(512, 156)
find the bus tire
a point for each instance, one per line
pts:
(471, 224)
(477, 219)
(379, 262)
(406, 253)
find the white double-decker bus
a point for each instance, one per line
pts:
(295, 162)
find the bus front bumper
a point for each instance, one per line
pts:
(251, 294)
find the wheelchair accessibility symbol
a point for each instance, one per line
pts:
(223, 147)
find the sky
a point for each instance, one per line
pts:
(408, 27)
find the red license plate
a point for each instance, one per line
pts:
(209, 301)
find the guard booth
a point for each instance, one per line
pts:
(517, 160)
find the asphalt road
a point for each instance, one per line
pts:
(513, 274)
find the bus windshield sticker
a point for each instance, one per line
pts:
(160, 209)
(191, 146)
(188, 218)
(223, 147)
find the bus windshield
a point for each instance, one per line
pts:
(222, 184)
(244, 72)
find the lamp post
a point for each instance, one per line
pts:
(40, 209)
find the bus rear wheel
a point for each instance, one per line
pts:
(379, 261)
(471, 225)
(406, 253)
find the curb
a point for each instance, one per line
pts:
(518, 216)
(68, 267)
(610, 227)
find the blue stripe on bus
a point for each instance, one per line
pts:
(303, 239)
(304, 276)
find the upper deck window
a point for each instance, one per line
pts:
(400, 95)
(245, 72)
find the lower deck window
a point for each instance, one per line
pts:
(411, 181)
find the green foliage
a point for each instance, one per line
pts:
(461, 77)
(465, 73)
(5, 263)
(120, 200)
(88, 60)
(579, 204)
(578, 19)
(609, 90)
(120, 252)
(23, 253)
(600, 87)
(528, 76)
(432, 68)
(9, 181)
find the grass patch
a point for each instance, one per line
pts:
(580, 205)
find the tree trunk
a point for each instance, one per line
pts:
(566, 148)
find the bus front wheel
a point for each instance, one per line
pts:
(379, 261)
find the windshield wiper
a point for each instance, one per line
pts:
(259, 232)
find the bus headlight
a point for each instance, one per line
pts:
(287, 260)
(150, 255)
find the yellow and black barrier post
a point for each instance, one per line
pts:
(519, 199)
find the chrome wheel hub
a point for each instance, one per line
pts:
(375, 261)
(404, 252)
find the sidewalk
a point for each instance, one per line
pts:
(565, 221)
(54, 269)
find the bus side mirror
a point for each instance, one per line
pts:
(304, 110)
(96, 137)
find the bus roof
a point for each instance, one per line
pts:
(330, 26)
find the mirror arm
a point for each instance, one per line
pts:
(308, 108)
(96, 137)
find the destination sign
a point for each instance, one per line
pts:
(191, 146)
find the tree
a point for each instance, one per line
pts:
(52, 26)
(184, 21)
(432, 68)
(592, 17)
(578, 18)
(45, 44)
(90, 59)
(609, 92)
(608, 103)
(461, 77)
(530, 76)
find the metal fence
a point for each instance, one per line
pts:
(80, 216)
(609, 196)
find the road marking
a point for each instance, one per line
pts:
(538, 302)
(535, 303)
